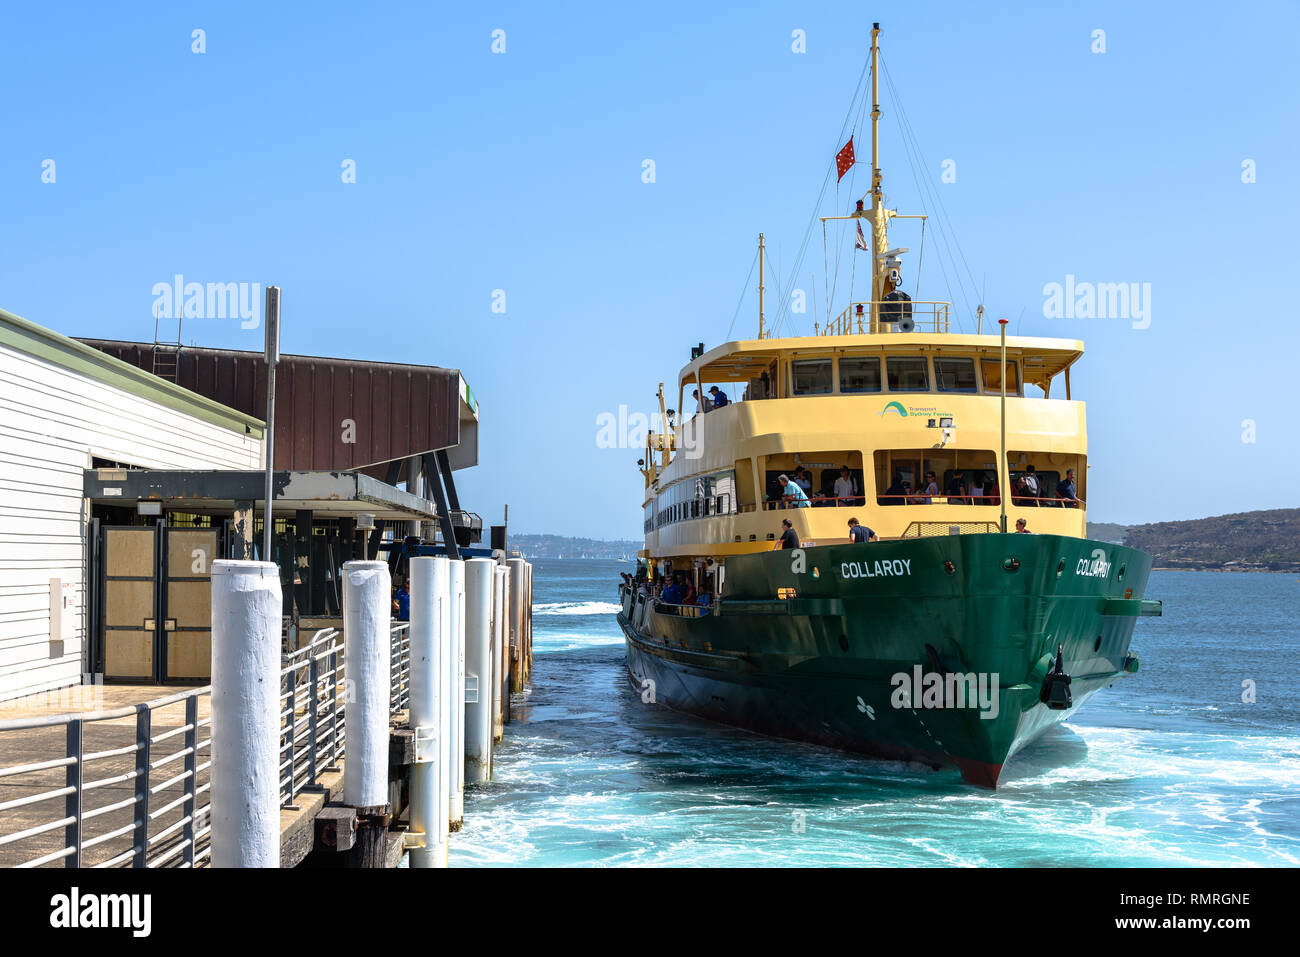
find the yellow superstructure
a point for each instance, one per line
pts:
(711, 491)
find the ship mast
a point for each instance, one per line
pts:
(760, 285)
(879, 215)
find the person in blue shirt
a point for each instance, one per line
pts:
(672, 594)
(860, 533)
(1065, 490)
(791, 494)
(719, 397)
(402, 602)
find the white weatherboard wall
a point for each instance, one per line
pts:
(54, 419)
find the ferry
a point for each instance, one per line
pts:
(969, 612)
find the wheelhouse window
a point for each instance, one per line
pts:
(991, 370)
(860, 374)
(955, 374)
(811, 376)
(907, 373)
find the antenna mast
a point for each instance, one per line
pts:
(760, 285)
(879, 241)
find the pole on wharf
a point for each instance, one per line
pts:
(501, 611)
(456, 699)
(528, 624)
(367, 648)
(430, 594)
(518, 591)
(506, 618)
(480, 581)
(246, 612)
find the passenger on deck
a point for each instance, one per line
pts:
(931, 487)
(956, 490)
(991, 494)
(789, 537)
(860, 533)
(977, 488)
(1020, 492)
(1033, 489)
(803, 479)
(702, 404)
(402, 602)
(894, 495)
(719, 397)
(791, 494)
(846, 490)
(1065, 490)
(672, 595)
(1022, 527)
(704, 600)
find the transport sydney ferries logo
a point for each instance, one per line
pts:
(929, 412)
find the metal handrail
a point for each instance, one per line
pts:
(936, 529)
(313, 736)
(850, 323)
(1022, 501)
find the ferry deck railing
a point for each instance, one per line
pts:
(153, 762)
(926, 316)
(918, 498)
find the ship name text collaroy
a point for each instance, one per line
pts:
(895, 567)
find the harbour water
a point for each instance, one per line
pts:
(1168, 767)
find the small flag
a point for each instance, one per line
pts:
(861, 242)
(844, 159)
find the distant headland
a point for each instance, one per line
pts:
(1242, 542)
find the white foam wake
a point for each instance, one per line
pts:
(576, 608)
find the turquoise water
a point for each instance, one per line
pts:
(1169, 767)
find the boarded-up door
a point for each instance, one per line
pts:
(130, 602)
(187, 612)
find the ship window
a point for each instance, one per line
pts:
(860, 374)
(821, 468)
(695, 497)
(907, 374)
(811, 376)
(963, 477)
(990, 369)
(1050, 468)
(955, 375)
(1047, 482)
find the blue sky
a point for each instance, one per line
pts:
(522, 172)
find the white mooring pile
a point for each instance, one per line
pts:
(470, 646)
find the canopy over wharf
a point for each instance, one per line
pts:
(347, 435)
(154, 534)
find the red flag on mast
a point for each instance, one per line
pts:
(844, 159)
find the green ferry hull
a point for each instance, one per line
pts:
(885, 648)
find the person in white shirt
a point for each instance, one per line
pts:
(931, 488)
(845, 488)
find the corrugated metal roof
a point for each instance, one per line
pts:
(331, 414)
